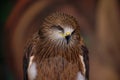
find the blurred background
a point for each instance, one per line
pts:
(100, 27)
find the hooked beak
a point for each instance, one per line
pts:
(67, 38)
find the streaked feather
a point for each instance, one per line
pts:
(54, 56)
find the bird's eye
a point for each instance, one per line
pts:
(73, 32)
(58, 27)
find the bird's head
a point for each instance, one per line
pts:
(60, 28)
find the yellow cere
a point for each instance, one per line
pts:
(66, 34)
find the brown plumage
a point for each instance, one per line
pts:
(56, 49)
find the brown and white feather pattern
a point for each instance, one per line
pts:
(50, 57)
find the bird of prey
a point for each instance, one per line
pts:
(56, 51)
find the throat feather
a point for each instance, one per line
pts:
(71, 53)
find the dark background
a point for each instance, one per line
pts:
(5, 8)
(88, 10)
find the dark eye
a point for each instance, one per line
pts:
(73, 32)
(58, 27)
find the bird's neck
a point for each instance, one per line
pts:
(48, 50)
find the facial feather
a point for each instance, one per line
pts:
(67, 23)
